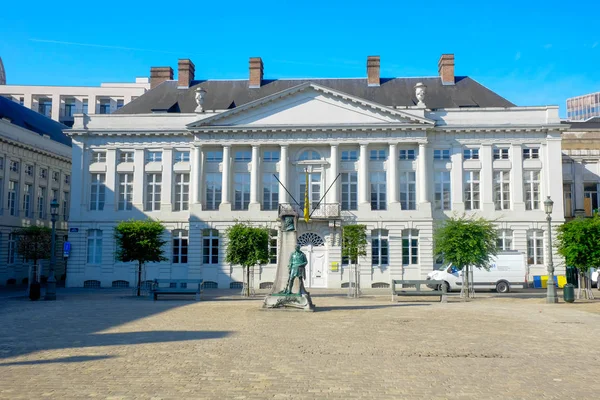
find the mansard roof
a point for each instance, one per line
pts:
(393, 92)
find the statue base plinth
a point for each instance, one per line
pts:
(279, 301)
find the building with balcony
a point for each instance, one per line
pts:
(35, 168)
(583, 107)
(61, 103)
(395, 154)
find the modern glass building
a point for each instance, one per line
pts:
(583, 107)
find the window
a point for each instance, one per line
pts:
(568, 199)
(84, 106)
(21, 100)
(408, 190)
(314, 189)
(29, 170)
(126, 156)
(502, 190)
(125, 191)
(501, 153)
(214, 156)
(41, 202)
(210, 246)
(378, 191)
(378, 155)
(69, 107)
(243, 155)
(1, 163)
(97, 192)
(153, 156)
(180, 247)
(241, 190)
(54, 195)
(65, 206)
(45, 107)
(505, 239)
(94, 246)
(43, 173)
(182, 156)
(410, 247)
(270, 192)
(409, 154)
(120, 103)
(153, 191)
(271, 156)
(471, 154)
(14, 166)
(12, 248)
(442, 190)
(531, 153)
(531, 180)
(99, 156)
(182, 192)
(67, 179)
(535, 247)
(350, 155)
(441, 154)
(104, 106)
(590, 198)
(55, 176)
(213, 191)
(471, 190)
(12, 198)
(272, 246)
(27, 201)
(349, 190)
(379, 247)
(309, 155)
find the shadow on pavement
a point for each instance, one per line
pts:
(368, 307)
(73, 359)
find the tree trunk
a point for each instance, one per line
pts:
(247, 282)
(464, 281)
(139, 283)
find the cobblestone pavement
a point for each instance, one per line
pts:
(107, 344)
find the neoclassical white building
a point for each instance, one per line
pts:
(397, 155)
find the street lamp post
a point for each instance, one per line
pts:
(51, 284)
(551, 296)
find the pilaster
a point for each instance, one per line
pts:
(456, 181)
(487, 178)
(516, 178)
(166, 204)
(226, 178)
(284, 198)
(111, 188)
(363, 178)
(254, 179)
(334, 169)
(138, 179)
(392, 178)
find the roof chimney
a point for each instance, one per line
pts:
(185, 73)
(256, 72)
(160, 74)
(373, 70)
(446, 69)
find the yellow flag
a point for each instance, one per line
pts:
(306, 201)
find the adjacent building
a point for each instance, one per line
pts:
(396, 154)
(583, 107)
(35, 168)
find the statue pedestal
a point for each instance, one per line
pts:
(279, 301)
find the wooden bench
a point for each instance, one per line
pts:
(418, 292)
(177, 286)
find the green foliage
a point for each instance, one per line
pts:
(466, 241)
(140, 240)
(354, 242)
(578, 242)
(248, 245)
(34, 242)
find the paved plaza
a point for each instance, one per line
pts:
(106, 344)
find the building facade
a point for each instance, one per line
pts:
(397, 155)
(583, 107)
(35, 168)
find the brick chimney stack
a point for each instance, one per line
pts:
(373, 73)
(185, 73)
(160, 74)
(446, 69)
(256, 72)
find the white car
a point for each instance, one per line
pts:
(595, 278)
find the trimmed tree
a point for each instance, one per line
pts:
(140, 241)
(354, 245)
(578, 242)
(466, 242)
(248, 246)
(34, 244)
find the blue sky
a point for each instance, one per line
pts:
(531, 52)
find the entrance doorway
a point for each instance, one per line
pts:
(313, 246)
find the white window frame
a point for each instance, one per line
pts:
(273, 239)
(181, 156)
(271, 156)
(210, 251)
(13, 196)
(472, 189)
(14, 166)
(377, 154)
(408, 190)
(531, 153)
(535, 247)
(55, 176)
(410, 247)
(349, 189)
(182, 192)
(502, 193)
(443, 190)
(66, 206)
(213, 190)
(315, 188)
(98, 157)
(349, 155)
(505, 239)
(125, 191)
(241, 190)
(126, 156)
(97, 196)
(532, 187)
(243, 156)
(380, 247)
(29, 170)
(27, 189)
(180, 243)
(407, 154)
(154, 156)
(214, 156)
(441, 154)
(94, 247)
(471, 153)
(270, 192)
(378, 190)
(43, 173)
(41, 202)
(153, 191)
(501, 153)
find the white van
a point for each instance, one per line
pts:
(507, 270)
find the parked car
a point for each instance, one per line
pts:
(595, 281)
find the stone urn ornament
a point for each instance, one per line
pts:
(199, 96)
(420, 92)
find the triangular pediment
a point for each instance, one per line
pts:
(309, 105)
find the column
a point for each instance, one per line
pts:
(91, 104)
(138, 179)
(392, 177)
(55, 107)
(254, 179)
(284, 198)
(28, 101)
(196, 174)
(516, 177)
(363, 177)
(334, 170)
(111, 187)
(167, 181)
(487, 178)
(225, 183)
(425, 179)
(456, 181)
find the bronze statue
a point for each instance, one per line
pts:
(296, 270)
